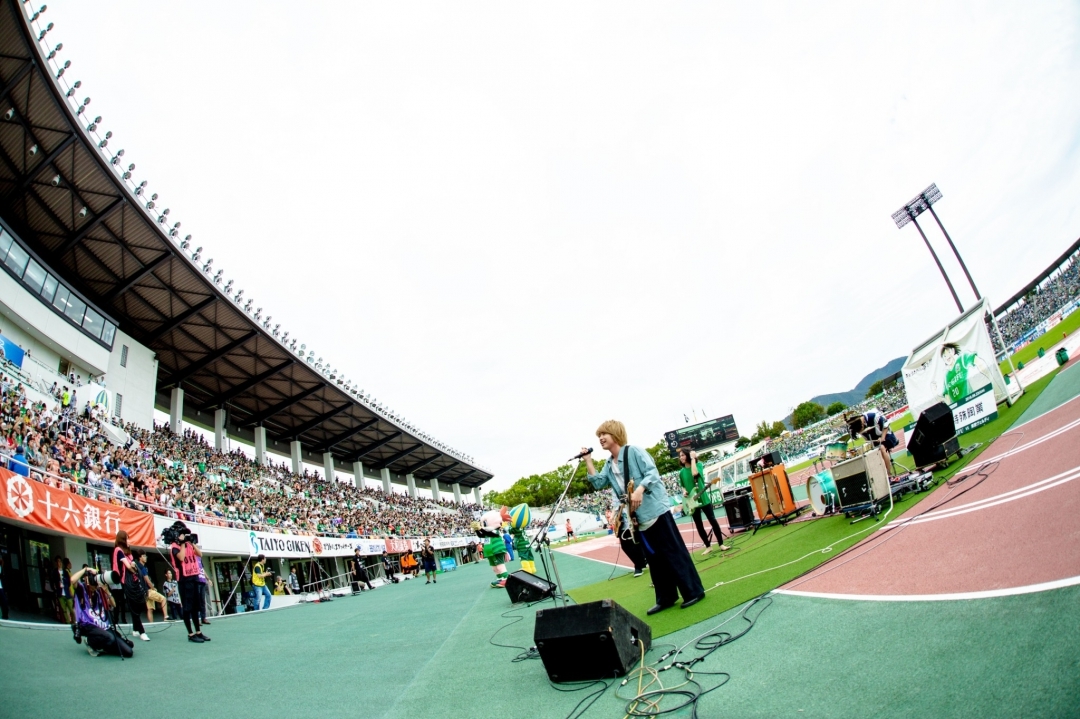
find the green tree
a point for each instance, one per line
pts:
(662, 457)
(764, 430)
(743, 442)
(875, 389)
(835, 408)
(538, 490)
(806, 414)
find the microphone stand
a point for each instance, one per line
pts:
(543, 545)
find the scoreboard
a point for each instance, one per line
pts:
(702, 436)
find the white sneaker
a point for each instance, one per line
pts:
(144, 637)
(705, 552)
(93, 652)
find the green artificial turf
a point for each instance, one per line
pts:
(779, 554)
(1064, 387)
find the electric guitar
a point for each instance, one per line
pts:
(624, 503)
(693, 500)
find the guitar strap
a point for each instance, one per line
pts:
(625, 460)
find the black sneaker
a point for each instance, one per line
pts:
(203, 637)
(197, 638)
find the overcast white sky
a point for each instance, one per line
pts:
(514, 221)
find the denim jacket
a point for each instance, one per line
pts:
(643, 472)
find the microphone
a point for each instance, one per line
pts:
(581, 455)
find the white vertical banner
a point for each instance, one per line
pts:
(957, 366)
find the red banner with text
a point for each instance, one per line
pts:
(398, 546)
(35, 503)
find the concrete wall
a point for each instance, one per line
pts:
(48, 335)
(136, 382)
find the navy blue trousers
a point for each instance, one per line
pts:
(670, 566)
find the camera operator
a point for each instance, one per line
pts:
(183, 552)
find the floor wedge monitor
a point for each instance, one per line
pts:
(597, 640)
(524, 586)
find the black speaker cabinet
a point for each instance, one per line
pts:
(934, 436)
(598, 640)
(739, 512)
(769, 459)
(524, 586)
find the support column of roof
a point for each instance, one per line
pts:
(476, 494)
(411, 481)
(328, 467)
(260, 445)
(435, 489)
(296, 453)
(220, 434)
(176, 410)
(385, 473)
(457, 493)
(358, 475)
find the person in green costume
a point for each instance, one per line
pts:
(490, 528)
(524, 550)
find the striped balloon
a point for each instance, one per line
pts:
(520, 516)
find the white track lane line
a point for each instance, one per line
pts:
(988, 594)
(1033, 443)
(1011, 495)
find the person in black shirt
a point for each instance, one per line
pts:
(427, 556)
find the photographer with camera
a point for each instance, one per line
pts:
(183, 553)
(93, 621)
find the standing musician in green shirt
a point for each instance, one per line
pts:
(692, 479)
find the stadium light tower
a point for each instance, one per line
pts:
(912, 210)
(932, 194)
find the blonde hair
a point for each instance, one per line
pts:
(615, 428)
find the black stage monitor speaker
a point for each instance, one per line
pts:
(524, 586)
(739, 511)
(933, 438)
(597, 640)
(769, 459)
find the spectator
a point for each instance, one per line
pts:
(172, 596)
(153, 596)
(294, 581)
(63, 584)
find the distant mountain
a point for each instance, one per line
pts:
(859, 392)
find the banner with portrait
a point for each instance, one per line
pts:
(957, 366)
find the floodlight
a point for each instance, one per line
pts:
(56, 181)
(84, 211)
(9, 114)
(33, 149)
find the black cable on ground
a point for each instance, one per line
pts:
(648, 703)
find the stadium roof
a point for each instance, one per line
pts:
(71, 204)
(1038, 280)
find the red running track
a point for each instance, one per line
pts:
(1015, 526)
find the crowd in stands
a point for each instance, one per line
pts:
(183, 476)
(1038, 306)
(792, 445)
